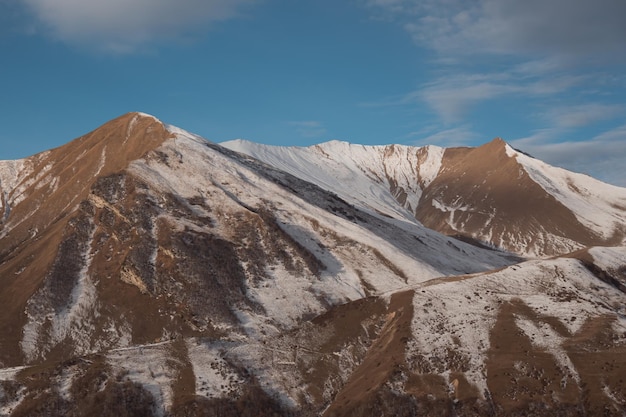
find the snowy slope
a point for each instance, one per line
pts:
(530, 336)
(476, 193)
(599, 206)
(414, 251)
(374, 177)
(15, 177)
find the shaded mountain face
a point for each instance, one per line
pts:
(146, 271)
(490, 195)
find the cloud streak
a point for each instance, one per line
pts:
(601, 156)
(583, 115)
(457, 136)
(529, 49)
(451, 96)
(126, 25)
(570, 29)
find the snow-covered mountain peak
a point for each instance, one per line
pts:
(492, 193)
(147, 271)
(148, 203)
(146, 115)
(373, 177)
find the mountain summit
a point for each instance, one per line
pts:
(147, 271)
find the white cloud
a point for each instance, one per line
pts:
(397, 100)
(532, 48)
(538, 137)
(453, 93)
(569, 29)
(617, 135)
(125, 25)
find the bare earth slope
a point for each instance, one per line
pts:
(41, 195)
(491, 194)
(145, 271)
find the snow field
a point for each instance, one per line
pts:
(460, 313)
(354, 171)
(149, 366)
(215, 378)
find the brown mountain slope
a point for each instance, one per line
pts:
(47, 194)
(484, 194)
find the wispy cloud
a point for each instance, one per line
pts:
(530, 48)
(452, 95)
(397, 100)
(602, 156)
(570, 30)
(451, 98)
(583, 115)
(457, 136)
(125, 25)
(308, 128)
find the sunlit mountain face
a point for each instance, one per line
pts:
(145, 271)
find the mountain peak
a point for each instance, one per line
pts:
(122, 140)
(141, 261)
(64, 175)
(496, 145)
(143, 115)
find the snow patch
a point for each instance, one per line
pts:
(285, 297)
(74, 321)
(9, 374)
(460, 312)
(140, 114)
(543, 336)
(354, 172)
(149, 366)
(429, 168)
(608, 258)
(510, 152)
(215, 378)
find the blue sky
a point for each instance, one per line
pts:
(545, 75)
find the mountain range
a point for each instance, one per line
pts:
(147, 271)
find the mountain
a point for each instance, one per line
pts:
(145, 271)
(492, 194)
